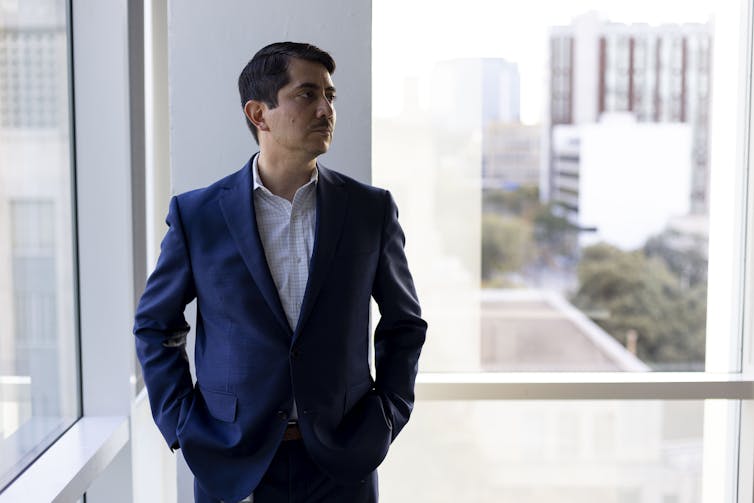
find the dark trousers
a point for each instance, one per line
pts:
(294, 478)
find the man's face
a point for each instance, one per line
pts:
(304, 120)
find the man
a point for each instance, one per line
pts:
(282, 258)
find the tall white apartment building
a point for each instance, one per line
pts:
(658, 74)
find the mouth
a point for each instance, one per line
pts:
(323, 128)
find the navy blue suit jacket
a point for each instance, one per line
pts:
(249, 362)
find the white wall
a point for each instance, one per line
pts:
(209, 43)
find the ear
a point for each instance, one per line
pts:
(255, 111)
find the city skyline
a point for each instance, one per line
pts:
(493, 33)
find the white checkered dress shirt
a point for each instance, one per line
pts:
(287, 233)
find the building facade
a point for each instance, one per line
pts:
(658, 74)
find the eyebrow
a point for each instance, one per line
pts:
(311, 85)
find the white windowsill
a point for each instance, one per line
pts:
(72, 463)
(583, 386)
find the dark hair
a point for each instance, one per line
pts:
(267, 72)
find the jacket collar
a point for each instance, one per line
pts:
(332, 201)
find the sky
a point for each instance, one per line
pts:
(409, 36)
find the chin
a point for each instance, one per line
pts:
(322, 149)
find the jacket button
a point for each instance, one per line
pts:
(282, 415)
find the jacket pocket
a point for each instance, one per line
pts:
(221, 405)
(356, 393)
(184, 408)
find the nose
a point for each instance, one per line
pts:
(326, 107)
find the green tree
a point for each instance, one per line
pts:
(506, 244)
(555, 236)
(522, 202)
(685, 256)
(642, 294)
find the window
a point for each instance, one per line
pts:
(39, 382)
(579, 233)
(565, 159)
(535, 452)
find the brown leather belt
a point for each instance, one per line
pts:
(292, 432)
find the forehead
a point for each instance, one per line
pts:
(302, 71)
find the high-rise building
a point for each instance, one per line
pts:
(659, 74)
(510, 155)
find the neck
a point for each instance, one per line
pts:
(283, 177)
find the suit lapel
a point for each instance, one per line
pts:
(238, 209)
(331, 211)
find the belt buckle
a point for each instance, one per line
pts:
(292, 431)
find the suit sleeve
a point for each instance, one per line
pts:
(400, 333)
(160, 328)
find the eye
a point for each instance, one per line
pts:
(306, 94)
(331, 98)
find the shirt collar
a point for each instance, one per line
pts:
(258, 180)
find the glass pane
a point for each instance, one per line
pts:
(39, 395)
(554, 451)
(563, 154)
